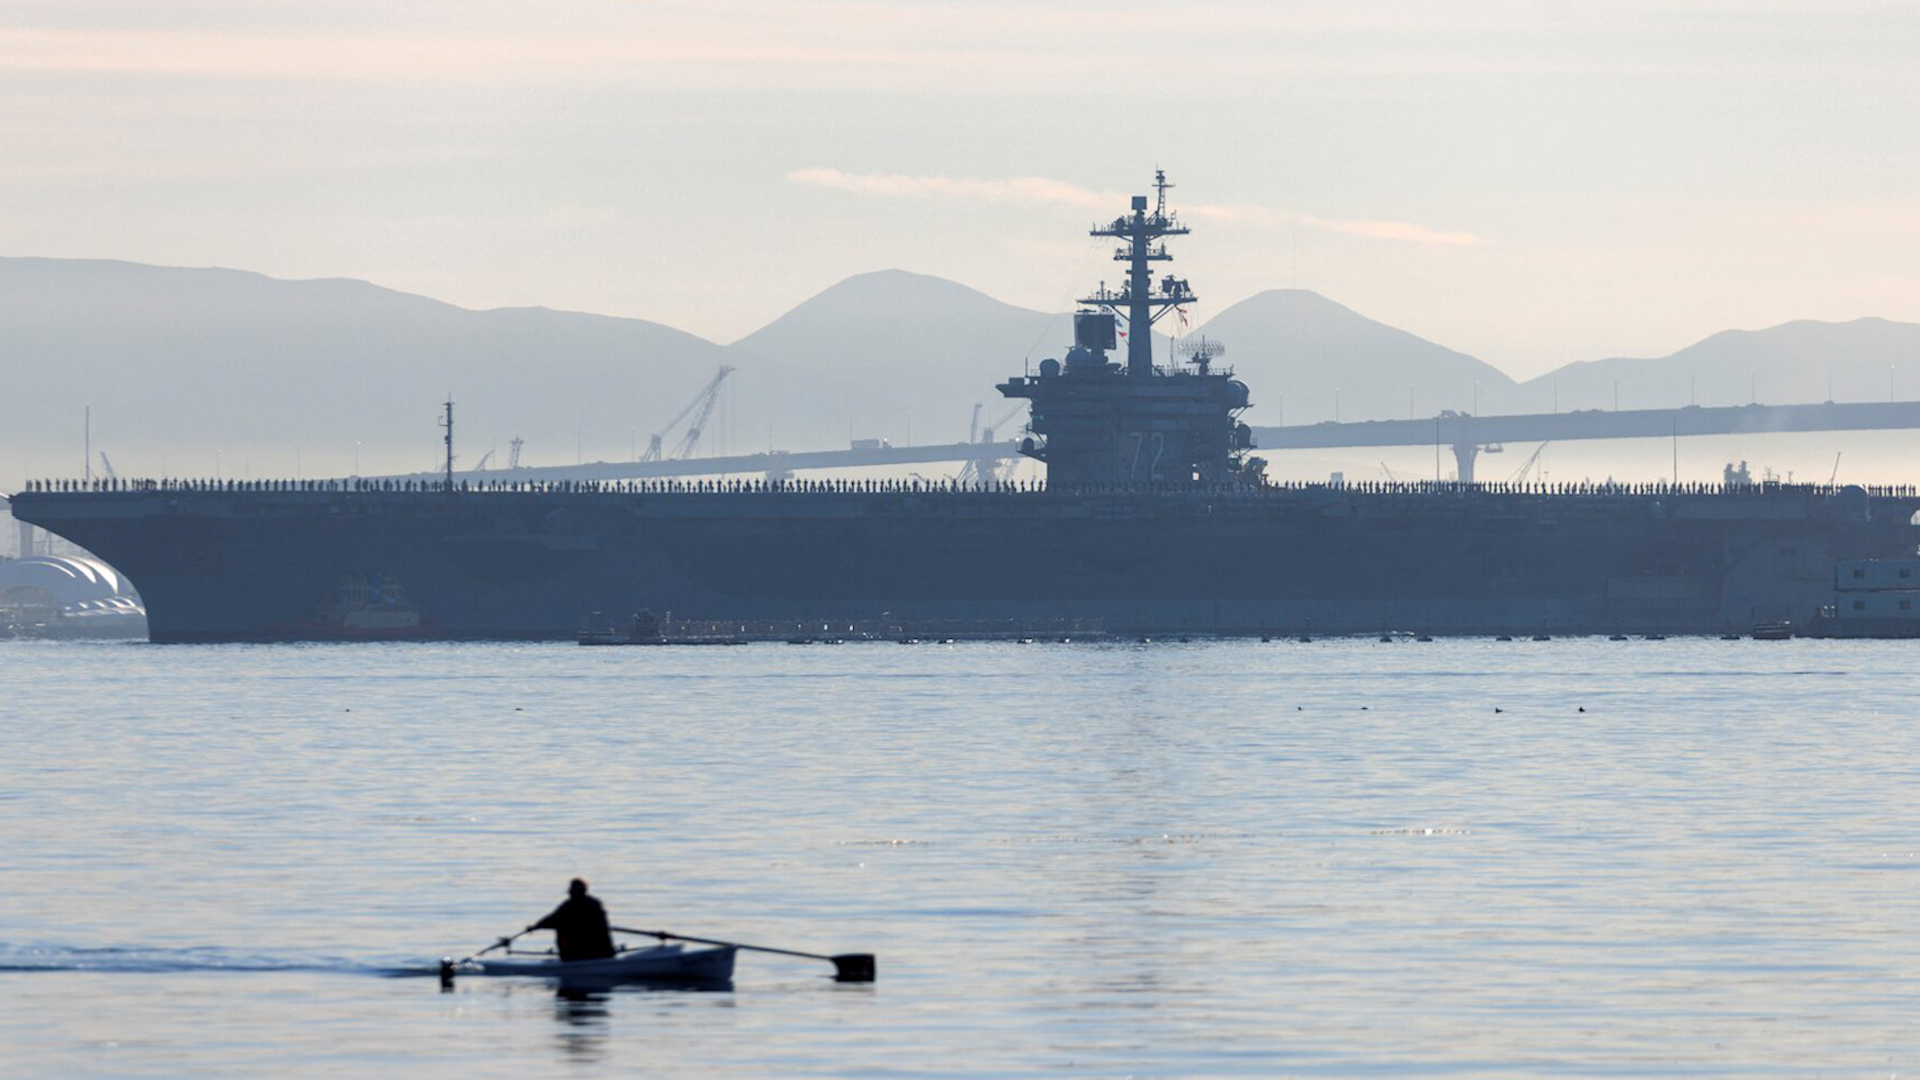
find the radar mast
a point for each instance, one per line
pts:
(1141, 301)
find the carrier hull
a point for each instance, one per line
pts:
(218, 566)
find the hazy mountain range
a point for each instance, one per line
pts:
(179, 365)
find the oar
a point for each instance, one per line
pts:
(449, 966)
(847, 967)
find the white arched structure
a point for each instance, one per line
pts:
(68, 594)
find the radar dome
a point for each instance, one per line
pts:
(1081, 358)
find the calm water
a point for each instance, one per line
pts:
(1227, 859)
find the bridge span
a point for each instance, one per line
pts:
(1466, 436)
(779, 463)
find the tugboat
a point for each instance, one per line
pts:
(367, 607)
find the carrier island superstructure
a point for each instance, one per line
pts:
(1101, 422)
(1153, 519)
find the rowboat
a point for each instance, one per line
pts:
(663, 963)
(657, 964)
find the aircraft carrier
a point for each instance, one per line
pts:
(1154, 518)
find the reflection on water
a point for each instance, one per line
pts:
(582, 1015)
(1235, 859)
(583, 1009)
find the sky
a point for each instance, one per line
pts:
(1530, 181)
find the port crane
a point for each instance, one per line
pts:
(982, 471)
(701, 408)
(985, 435)
(1520, 475)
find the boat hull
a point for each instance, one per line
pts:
(661, 964)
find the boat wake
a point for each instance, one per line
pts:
(114, 960)
(15, 959)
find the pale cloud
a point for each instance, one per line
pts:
(711, 56)
(1404, 231)
(996, 46)
(1022, 190)
(409, 57)
(1039, 190)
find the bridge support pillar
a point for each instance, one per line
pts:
(26, 539)
(1463, 455)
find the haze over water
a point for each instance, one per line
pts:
(1216, 859)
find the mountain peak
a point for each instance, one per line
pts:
(1326, 358)
(897, 297)
(1291, 298)
(1280, 306)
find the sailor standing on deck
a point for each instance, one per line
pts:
(579, 926)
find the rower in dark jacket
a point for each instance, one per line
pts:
(579, 926)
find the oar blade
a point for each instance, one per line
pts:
(852, 967)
